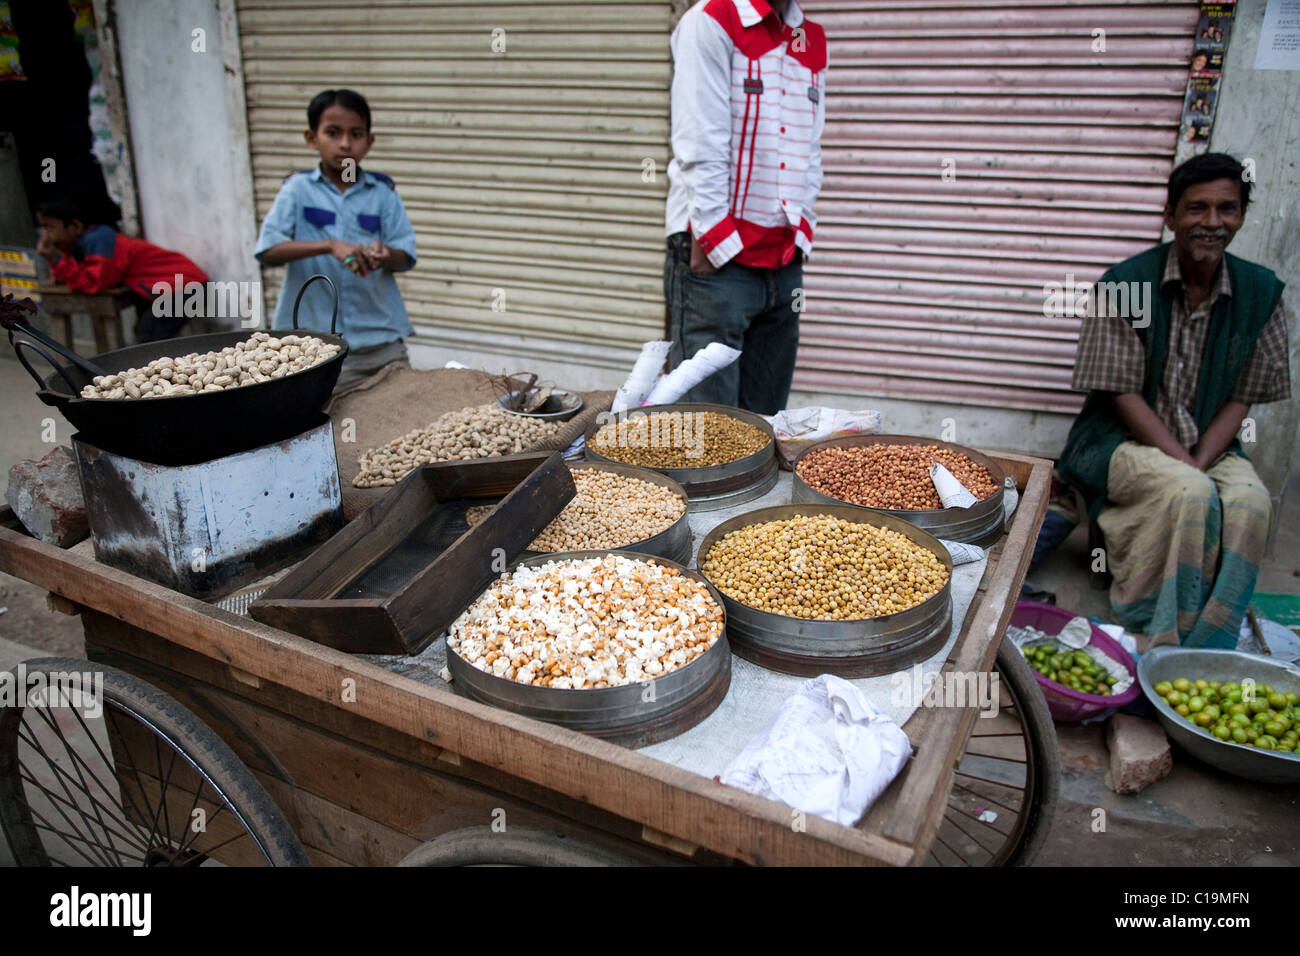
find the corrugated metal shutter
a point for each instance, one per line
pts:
(521, 171)
(926, 289)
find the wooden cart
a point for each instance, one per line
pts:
(368, 766)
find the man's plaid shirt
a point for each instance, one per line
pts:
(1111, 357)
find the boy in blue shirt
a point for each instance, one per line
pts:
(349, 224)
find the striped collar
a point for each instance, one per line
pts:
(753, 11)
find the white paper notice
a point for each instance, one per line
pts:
(1279, 37)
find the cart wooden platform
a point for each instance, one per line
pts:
(367, 766)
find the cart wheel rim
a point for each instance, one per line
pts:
(1004, 785)
(125, 776)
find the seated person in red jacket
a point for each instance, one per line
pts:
(96, 258)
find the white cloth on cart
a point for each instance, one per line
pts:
(827, 751)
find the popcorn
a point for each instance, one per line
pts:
(588, 623)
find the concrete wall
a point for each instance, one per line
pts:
(188, 132)
(1259, 118)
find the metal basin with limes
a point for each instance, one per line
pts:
(1168, 663)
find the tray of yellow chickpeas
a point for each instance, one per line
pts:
(1238, 712)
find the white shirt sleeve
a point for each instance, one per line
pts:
(813, 178)
(701, 116)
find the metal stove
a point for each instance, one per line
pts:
(210, 528)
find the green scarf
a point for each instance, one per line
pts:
(1235, 324)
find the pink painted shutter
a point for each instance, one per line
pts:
(925, 289)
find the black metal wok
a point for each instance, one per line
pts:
(188, 429)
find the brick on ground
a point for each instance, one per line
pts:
(45, 494)
(1139, 753)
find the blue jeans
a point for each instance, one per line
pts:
(744, 307)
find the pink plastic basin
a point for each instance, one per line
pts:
(1065, 703)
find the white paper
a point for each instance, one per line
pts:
(819, 423)
(642, 379)
(961, 552)
(1120, 636)
(712, 358)
(1279, 37)
(952, 493)
(827, 752)
(1010, 498)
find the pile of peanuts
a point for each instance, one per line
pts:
(260, 358)
(610, 511)
(823, 568)
(588, 623)
(678, 440)
(890, 476)
(475, 432)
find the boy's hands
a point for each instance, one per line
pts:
(360, 259)
(385, 257)
(353, 256)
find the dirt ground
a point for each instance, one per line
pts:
(1195, 817)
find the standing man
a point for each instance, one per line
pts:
(1155, 450)
(748, 108)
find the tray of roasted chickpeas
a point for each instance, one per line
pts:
(821, 588)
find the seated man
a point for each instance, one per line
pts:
(1155, 450)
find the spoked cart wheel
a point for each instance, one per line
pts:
(126, 776)
(1008, 780)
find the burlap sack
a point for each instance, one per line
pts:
(399, 398)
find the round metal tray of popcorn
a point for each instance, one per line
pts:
(712, 487)
(673, 543)
(866, 647)
(981, 523)
(635, 715)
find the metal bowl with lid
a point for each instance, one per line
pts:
(673, 543)
(711, 487)
(636, 714)
(559, 406)
(862, 648)
(981, 523)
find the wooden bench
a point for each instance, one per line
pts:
(104, 309)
